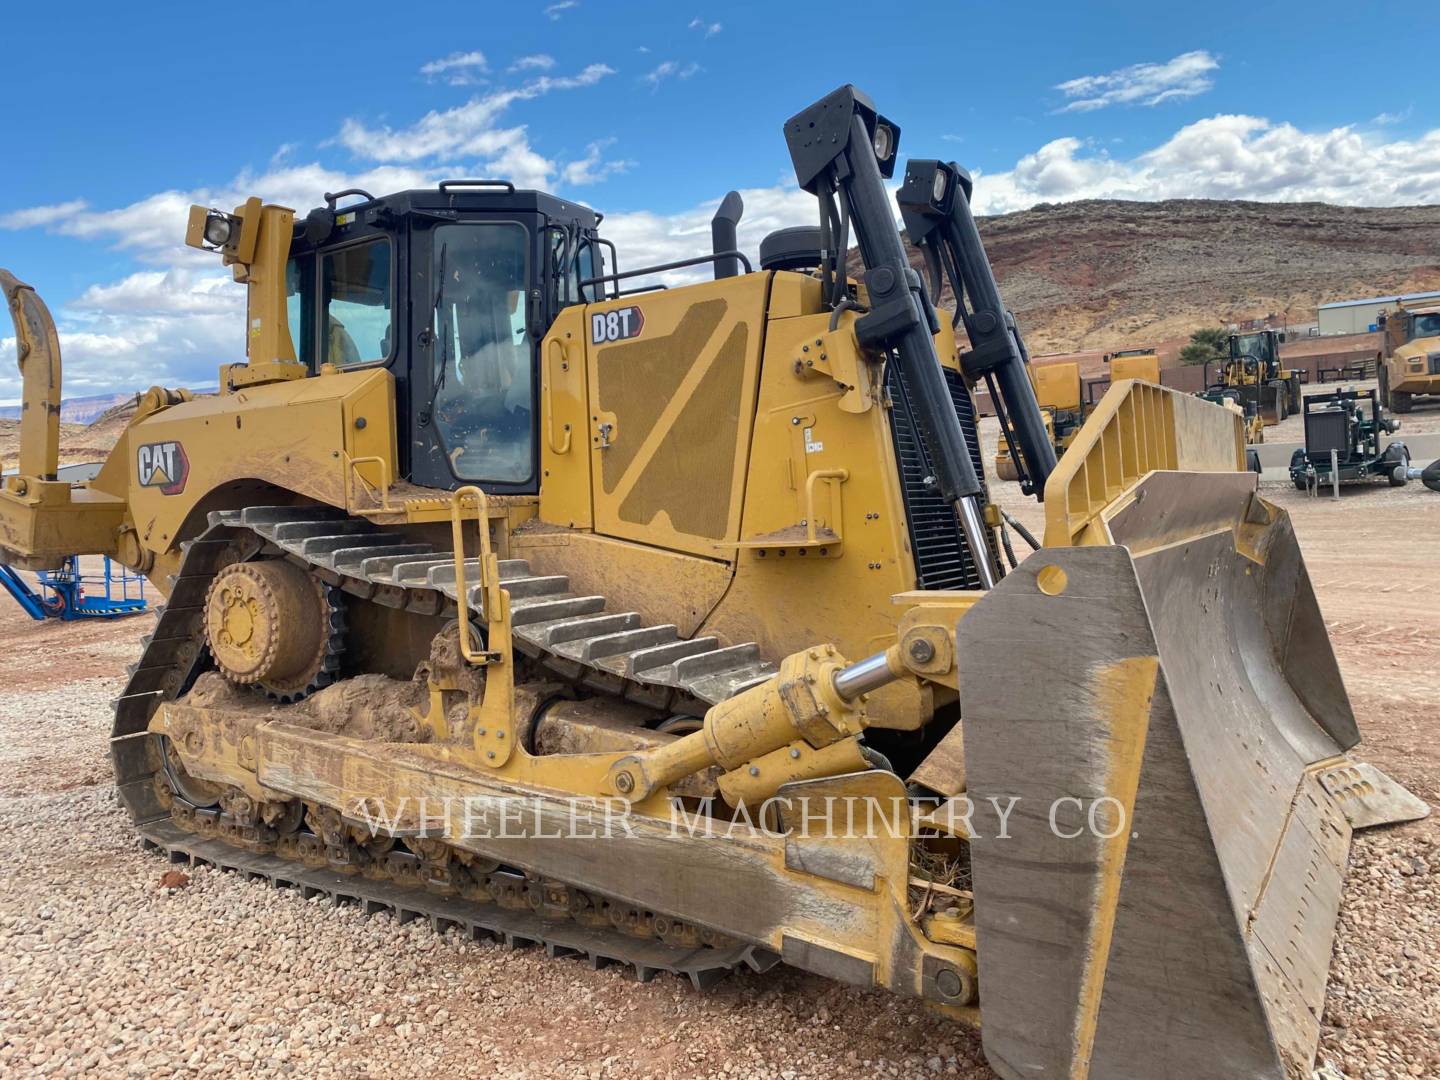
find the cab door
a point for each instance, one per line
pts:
(474, 361)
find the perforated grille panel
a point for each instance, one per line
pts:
(674, 458)
(638, 380)
(942, 558)
(690, 475)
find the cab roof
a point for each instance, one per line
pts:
(449, 200)
(491, 198)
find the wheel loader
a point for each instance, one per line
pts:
(669, 627)
(1254, 378)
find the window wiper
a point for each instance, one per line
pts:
(436, 307)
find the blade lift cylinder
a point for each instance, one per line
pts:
(935, 206)
(841, 144)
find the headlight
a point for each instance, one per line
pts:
(937, 192)
(884, 142)
(217, 230)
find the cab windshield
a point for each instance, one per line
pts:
(1423, 326)
(482, 365)
(1256, 345)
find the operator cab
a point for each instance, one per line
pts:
(1422, 324)
(452, 290)
(1263, 346)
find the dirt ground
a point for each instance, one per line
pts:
(103, 972)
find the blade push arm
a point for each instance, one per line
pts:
(935, 206)
(841, 144)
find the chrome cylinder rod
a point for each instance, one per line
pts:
(974, 527)
(864, 676)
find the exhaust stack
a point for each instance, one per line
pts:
(723, 235)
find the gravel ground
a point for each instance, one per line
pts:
(105, 971)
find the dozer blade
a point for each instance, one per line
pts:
(1167, 715)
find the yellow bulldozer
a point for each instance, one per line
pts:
(671, 627)
(1065, 399)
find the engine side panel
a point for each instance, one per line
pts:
(672, 380)
(298, 436)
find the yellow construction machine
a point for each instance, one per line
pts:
(1411, 367)
(1252, 377)
(1134, 364)
(1065, 400)
(669, 627)
(1057, 392)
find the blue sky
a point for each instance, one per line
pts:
(118, 117)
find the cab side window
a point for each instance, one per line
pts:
(299, 306)
(581, 262)
(356, 326)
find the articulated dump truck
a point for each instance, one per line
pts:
(675, 627)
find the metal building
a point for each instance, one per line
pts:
(1358, 316)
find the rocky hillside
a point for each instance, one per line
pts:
(92, 441)
(77, 410)
(1103, 274)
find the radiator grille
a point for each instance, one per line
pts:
(1326, 430)
(942, 558)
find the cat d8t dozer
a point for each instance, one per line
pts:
(672, 627)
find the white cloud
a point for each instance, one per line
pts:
(645, 238)
(467, 130)
(669, 69)
(710, 28)
(152, 229)
(555, 11)
(460, 141)
(180, 316)
(1142, 84)
(173, 328)
(457, 69)
(535, 62)
(591, 169)
(1228, 157)
(177, 291)
(42, 215)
